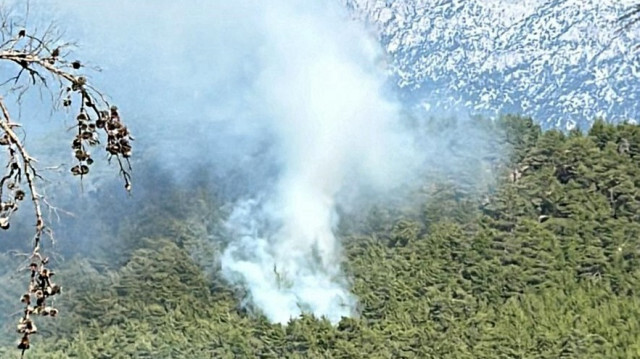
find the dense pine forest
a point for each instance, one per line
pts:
(542, 262)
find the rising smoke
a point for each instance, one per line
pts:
(322, 93)
(292, 95)
(302, 78)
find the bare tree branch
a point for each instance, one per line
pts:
(41, 61)
(26, 167)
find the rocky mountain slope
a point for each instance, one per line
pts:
(564, 62)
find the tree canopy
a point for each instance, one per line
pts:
(544, 265)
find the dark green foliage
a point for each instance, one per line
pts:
(546, 266)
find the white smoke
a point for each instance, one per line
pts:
(288, 93)
(323, 89)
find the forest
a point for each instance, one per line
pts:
(542, 262)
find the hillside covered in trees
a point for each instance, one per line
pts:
(545, 263)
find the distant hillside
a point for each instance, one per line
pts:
(562, 62)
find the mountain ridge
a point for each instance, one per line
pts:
(562, 62)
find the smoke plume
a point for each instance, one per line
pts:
(286, 103)
(322, 92)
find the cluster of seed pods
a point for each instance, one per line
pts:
(41, 288)
(10, 192)
(118, 138)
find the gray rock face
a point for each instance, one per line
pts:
(563, 62)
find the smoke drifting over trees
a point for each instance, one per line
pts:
(286, 107)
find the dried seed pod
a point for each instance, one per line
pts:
(81, 155)
(123, 131)
(5, 206)
(19, 195)
(27, 326)
(89, 161)
(55, 289)
(77, 144)
(4, 223)
(44, 273)
(84, 169)
(76, 64)
(24, 343)
(26, 298)
(113, 149)
(46, 311)
(113, 125)
(100, 123)
(82, 117)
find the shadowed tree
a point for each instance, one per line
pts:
(40, 61)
